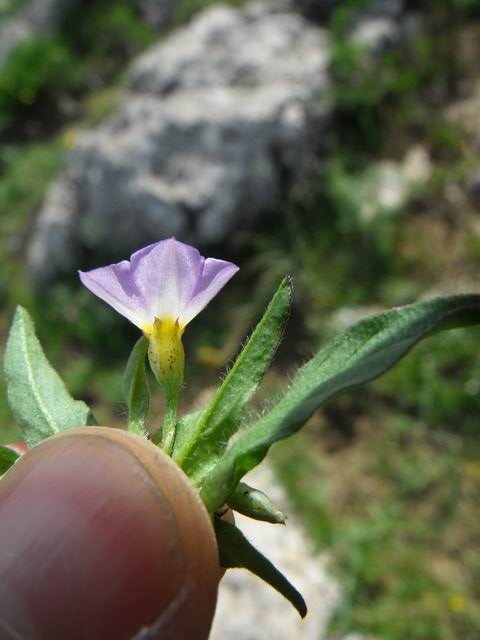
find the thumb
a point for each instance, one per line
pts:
(103, 536)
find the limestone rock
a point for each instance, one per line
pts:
(215, 126)
(157, 13)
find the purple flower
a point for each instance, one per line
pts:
(168, 280)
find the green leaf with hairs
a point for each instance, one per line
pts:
(237, 552)
(37, 396)
(135, 388)
(362, 353)
(222, 417)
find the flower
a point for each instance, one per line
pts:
(168, 279)
(160, 289)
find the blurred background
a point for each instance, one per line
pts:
(337, 141)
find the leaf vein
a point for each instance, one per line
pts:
(34, 386)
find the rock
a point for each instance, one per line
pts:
(381, 25)
(417, 165)
(215, 126)
(387, 186)
(376, 33)
(36, 17)
(157, 13)
(248, 609)
(345, 317)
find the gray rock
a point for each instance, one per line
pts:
(473, 187)
(248, 609)
(157, 13)
(381, 25)
(215, 126)
(377, 33)
(378, 27)
(386, 187)
(386, 8)
(36, 17)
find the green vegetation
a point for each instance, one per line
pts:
(36, 72)
(186, 9)
(10, 7)
(81, 67)
(396, 504)
(24, 175)
(43, 74)
(386, 478)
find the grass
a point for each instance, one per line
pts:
(10, 7)
(45, 75)
(394, 499)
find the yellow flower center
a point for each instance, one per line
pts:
(165, 351)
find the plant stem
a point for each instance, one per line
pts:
(169, 421)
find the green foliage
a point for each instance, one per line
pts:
(98, 38)
(37, 395)
(10, 7)
(7, 458)
(391, 542)
(362, 353)
(222, 418)
(25, 172)
(395, 506)
(9, 431)
(439, 384)
(37, 71)
(236, 551)
(376, 95)
(107, 33)
(186, 9)
(136, 390)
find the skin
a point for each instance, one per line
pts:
(102, 537)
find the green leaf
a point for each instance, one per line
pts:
(7, 458)
(222, 416)
(135, 388)
(185, 427)
(255, 504)
(237, 552)
(362, 353)
(37, 395)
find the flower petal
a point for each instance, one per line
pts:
(215, 274)
(114, 284)
(167, 279)
(166, 274)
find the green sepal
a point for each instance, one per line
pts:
(222, 417)
(236, 551)
(37, 395)
(8, 457)
(135, 388)
(362, 353)
(255, 504)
